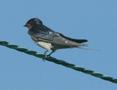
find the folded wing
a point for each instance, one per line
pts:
(58, 40)
(75, 40)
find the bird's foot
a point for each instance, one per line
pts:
(45, 57)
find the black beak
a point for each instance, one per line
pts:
(25, 25)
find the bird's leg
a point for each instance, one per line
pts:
(51, 53)
(45, 54)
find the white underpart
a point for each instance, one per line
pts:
(45, 45)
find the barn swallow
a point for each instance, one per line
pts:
(49, 39)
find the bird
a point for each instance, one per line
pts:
(50, 40)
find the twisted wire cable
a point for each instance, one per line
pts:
(60, 62)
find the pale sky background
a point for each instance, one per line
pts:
(95, 20)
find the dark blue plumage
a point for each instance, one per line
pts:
(49, 39)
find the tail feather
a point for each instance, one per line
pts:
(75, 40)
(80, 40)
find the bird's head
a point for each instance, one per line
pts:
(33, 22)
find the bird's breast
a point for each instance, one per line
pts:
(47, 46)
